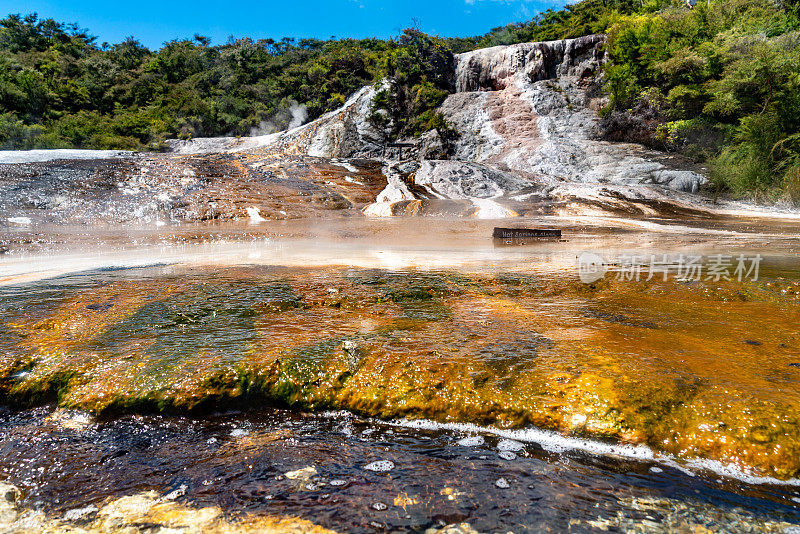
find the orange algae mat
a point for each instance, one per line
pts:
(691, 369)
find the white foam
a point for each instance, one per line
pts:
(510, 445)
(694, 465)
(550, 441)
(22, 221)
(471, 441)
(558, 443)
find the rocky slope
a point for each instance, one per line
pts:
(159, 188)
(532, 108)
(343, 133)
(528, 144)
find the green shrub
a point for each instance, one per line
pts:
(15, 134)
(792, 184)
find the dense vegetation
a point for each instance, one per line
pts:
(58, 88)
(719, 83)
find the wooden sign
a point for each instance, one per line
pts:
(514, 237)
(526, 233)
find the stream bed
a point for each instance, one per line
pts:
(371, 376)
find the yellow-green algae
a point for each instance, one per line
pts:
(696, 369)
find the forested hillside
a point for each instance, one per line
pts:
(719, 83)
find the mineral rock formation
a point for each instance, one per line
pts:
(528, 143)
(343, 133)
(532, 109)
(499, 67)
(527, 120)
(159, 188)
(526, 111)
(142, 512)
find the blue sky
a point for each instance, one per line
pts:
(154, 21)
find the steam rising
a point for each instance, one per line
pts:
(285, 119)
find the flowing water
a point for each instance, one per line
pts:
(379, 376)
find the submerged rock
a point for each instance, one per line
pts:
(305, 474)
(151, 513)
(502, 483)
(81, 514)
(353, 354)
(510, 445)
(71, 420)
(381, 466)
(683, 516)
(461, 528)
(9, 495)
